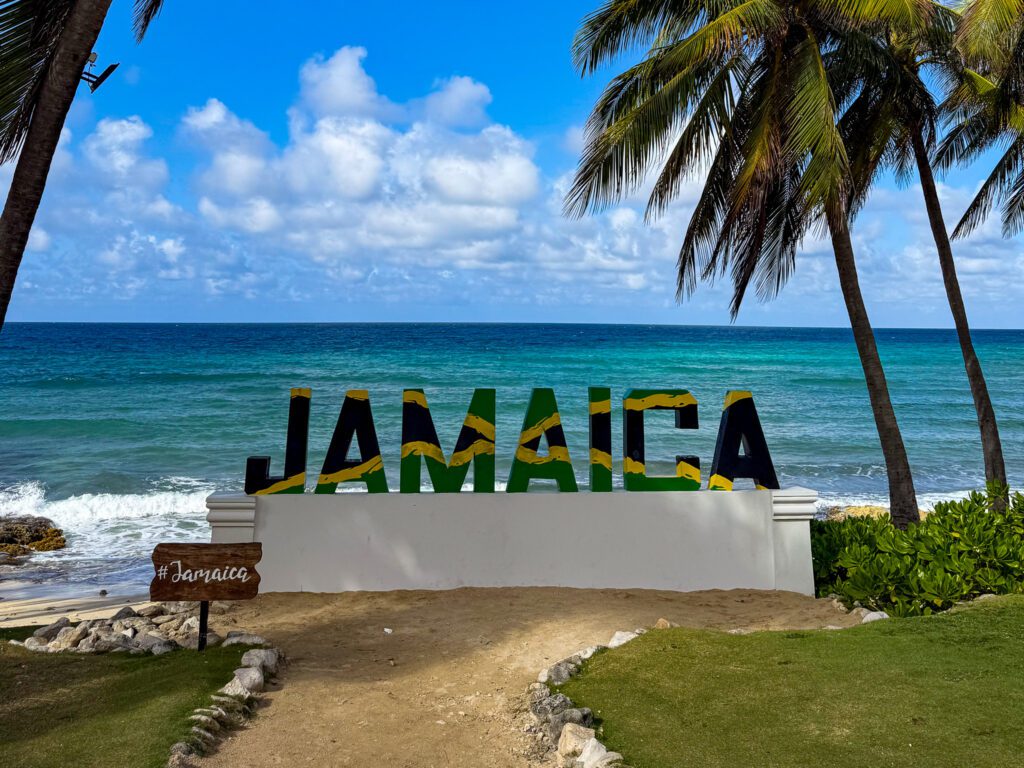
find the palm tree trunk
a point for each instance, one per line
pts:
(991, 447)
(902, 498)
(55, 97)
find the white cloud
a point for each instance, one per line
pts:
(426, 203)
(459, 102)
(340, 87)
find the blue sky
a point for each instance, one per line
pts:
(358, 161)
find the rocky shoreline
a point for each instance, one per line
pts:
(155, 629)
(22, 535)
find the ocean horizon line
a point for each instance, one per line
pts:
(445, 323)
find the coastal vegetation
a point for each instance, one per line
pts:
(113, 710)
(961, 550)
(897, 693)
(787, 113)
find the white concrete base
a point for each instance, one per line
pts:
(675, 541)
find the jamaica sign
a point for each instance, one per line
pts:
(741, 450)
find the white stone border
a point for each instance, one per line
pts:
(565, 727)
(231, 707)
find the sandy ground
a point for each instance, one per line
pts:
(44, 610)
(445, 688)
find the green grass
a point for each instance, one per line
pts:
(945, 690)
(114, 711)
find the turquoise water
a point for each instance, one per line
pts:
(118, 432)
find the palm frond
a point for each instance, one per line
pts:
(143, 15)
(1003, 175)
(29, 33)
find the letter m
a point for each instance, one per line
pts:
(475, 444)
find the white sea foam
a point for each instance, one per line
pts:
(110, 536)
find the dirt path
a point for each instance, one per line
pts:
(445, 687)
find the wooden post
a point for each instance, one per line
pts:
(204, 620)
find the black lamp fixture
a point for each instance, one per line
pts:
(95, 81)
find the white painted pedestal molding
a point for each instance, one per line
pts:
(792, 511)
(376, 542)
(232, 516)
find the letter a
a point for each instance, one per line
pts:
(356, 420)
(740, 426)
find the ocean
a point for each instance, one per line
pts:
(118, 432)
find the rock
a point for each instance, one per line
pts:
(205, 722)
(189, 625)
(592, 751)
(590, 650)
(610, 760)
(159, 649)
(664, 624)
(146, 640)
(250, 678)
(740, 631)
(874, 616)
(832, 626)
(230, 705)
(577, 716)
(212, 639)
(14, 642)
(37, 644)
(836, 603)
(265, 659)
(167, 618)
(222, 717)
(183, 749)
(181, 606)
(558, 673)
(574, 737)
(204, 737)
(182, 761)
(50, 631)
(243, 638)
(220, 606)
(150, 611)
(544, 708)
(621, 638)
(235, 688)
(105, 640)
(9, 555)
(38, 533)
(70, 637)
(125, 613)
(986, 596)
(191, 641)
(135, 622)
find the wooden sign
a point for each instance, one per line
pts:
(205, 572)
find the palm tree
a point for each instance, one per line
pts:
(890, 122)
(739, 88)
(44, 46)
(986, 109)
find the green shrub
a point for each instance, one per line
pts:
(961, 550)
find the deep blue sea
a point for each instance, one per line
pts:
(118, 432)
